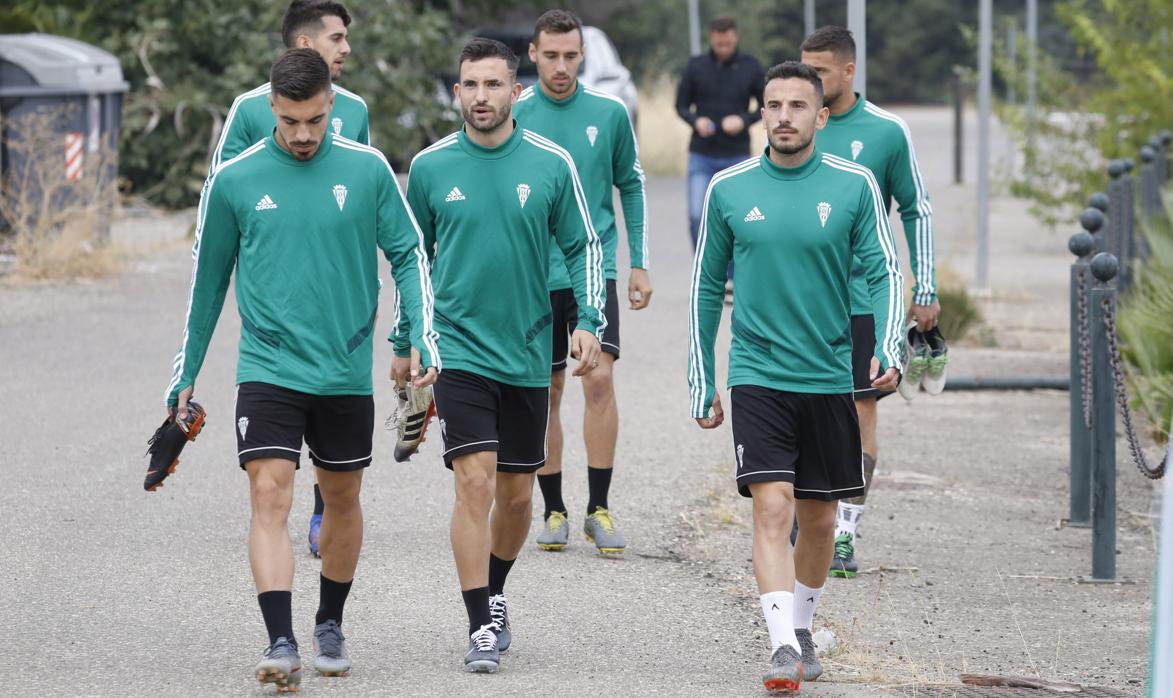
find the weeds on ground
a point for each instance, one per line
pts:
(52, 223)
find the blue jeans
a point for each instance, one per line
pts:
(701, 169)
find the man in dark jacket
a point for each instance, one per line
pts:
(714, 98)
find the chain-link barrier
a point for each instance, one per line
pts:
(1138, 456)
(1085, 347)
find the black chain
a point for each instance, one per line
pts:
(1085, 349)
(1138, 456)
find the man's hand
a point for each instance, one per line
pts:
(718, 415)
(886, 382)
(704, 126)
(639, 289)
(400, 369)
(732, 124)
(926, 316)
(420, 378)
(584, 346)
(184, 398)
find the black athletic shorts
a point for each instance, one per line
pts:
(809, 440)
(271, 422)
(565, 310)
(481, 414)
(863, 347)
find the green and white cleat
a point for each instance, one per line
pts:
(916, 363)
(555, 532)
(843, 564)
(934, 380)
(599, 528)
(281, 665)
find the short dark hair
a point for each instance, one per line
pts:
(557, 22)
(794, 69)
(723, 24)
(299, 74)
(481, 48)
(837, 40)
(302, 13)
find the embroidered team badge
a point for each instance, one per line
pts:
(592, 134)
(856, 147)
(242, 425)
(340, 195)
(824, 212)
(523, 191)
(336, 124)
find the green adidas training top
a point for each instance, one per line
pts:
(792, 233)
(303, 237)
(593, 127)
(251, 119)
(880, 141)
(489, 217)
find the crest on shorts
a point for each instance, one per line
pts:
(592, 134)
(824, 212)
(340, 195)
(443, 429)
(242, 425)
(336, 124)
(523, 193)
(856, 147)
(740, 457)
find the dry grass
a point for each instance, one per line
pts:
(55, 223)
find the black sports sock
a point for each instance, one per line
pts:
(476, 602)
(551, 486)
(331, 600)
(319, 504)
(598, 483)
(277, 610)
(498, 571)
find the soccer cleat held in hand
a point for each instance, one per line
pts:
(168, 441)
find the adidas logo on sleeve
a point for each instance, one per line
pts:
(454, 195)
(755, 214)
(266, 203)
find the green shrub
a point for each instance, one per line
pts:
(959, 313)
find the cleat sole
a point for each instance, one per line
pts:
(552, 547)
(482, 667)
(781, 685)
(841, 574)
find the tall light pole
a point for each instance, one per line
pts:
(985, 41)
(694, 27)
(857, 24)
(808, 17)
(1032, 42)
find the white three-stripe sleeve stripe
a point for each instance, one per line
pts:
(696, 369)
(924, 222)
(429, 333)
(179, 363)
(226, 127)
(639, 170)
(892, 331)
(594, 256)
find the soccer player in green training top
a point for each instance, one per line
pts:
(595, 129)
(792, 220)
(301, 215)
(321, 25)
(880, 141)
(491, 199)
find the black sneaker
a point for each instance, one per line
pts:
(811, 668)
(843, 564)
(168, 440)
(785, 673)
(483, 654)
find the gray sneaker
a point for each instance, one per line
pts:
(811, 668)
(499, 612)
(483, 654)
(330, 657)
(281, 665)
(785, 673)
(555, 532)
(599, 528)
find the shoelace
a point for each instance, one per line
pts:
(330, 640)
(279, 646)
(807, 643)
(555, 521)
(843, 547)
(484, 640)
(604, 518)
(497, 612)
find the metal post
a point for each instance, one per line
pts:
(857, 24)
(958, 128)
(1166, 139)
(1032, 41)
(1012, 59)
(694, 27)
(985, 39)
(1128, 215)
(1103, 268)
(808, 17)
(1148, 181)
(1115, 205)
(1161, 681)
(1083, 246)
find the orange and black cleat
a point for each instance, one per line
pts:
(168, 441)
